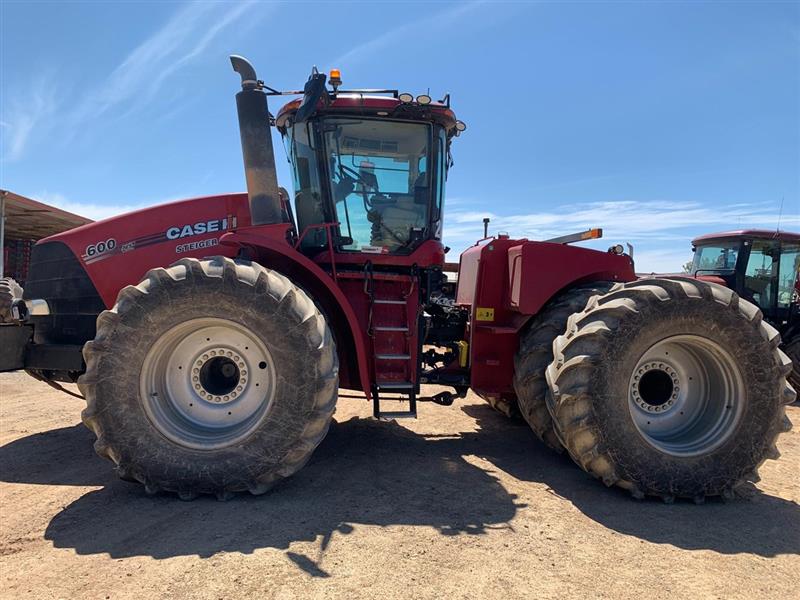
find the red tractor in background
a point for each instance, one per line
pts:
(763, 267)
(210, 337)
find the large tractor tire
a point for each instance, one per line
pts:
(9, 291)
(670, 387)
(536, 353)
(210, 377)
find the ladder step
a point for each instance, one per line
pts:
(392, 356)
(386, 328)
(395, 385)
(398, 415)
(381, 301)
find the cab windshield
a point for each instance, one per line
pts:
(720, 256)
(380, 182)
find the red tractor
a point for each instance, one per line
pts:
(210, 337)
(763, 267)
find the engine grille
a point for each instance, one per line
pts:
(57, 276)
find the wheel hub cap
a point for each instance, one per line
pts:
(686, 395)
(207, 383)
(655, 387)
(219, 375)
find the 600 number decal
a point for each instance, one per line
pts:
(101, 247)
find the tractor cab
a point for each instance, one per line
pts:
(761, 266)
(369, 167)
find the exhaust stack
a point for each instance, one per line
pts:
(257, 151)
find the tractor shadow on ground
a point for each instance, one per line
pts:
(374, 473)
(365, 472)
(755, 522)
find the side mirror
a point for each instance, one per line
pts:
(313, 91)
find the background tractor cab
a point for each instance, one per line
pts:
(369, 168)
(759, 265)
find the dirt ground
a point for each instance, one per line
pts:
(458, 504)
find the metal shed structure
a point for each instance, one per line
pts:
(23, 222)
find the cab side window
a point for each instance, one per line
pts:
(761, 273)
(308, 192)
(787, 273)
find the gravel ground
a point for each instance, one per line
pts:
(458, 504)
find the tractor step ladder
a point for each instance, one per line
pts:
(396, 387)
(378, 327)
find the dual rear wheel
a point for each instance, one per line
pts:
(667, 387)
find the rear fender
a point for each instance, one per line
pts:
(262, 245)
(538, 271)
(505, 283)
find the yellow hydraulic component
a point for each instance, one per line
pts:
(463, 353)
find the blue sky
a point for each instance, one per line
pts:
(656, 121)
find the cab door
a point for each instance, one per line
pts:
(760, 284)
(788, 274)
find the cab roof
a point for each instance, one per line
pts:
(770, 234)
(376, 105)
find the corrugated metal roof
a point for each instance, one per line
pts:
(28, 219)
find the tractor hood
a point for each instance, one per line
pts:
(116, 251)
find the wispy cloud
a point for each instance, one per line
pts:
(664, 228)
(140, 76)
(23, 116)
(129, 87)
(90, 210)
(408, 33)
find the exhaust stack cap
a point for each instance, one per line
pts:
(246, 71)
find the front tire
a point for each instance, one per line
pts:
(10, 290)
(212, 376)
(670, 387)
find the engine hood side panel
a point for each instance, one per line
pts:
(118, 251)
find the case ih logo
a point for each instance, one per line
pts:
(175, 233)
(107, 248)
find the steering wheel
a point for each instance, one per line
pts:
(355, 176)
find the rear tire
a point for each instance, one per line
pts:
(10, 290)
(536, 353)
(213, 376)
(670, 387)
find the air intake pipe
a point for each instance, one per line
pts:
(257, 151)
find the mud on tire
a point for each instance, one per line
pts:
(536, 353)
(280, 387)
(718, 400)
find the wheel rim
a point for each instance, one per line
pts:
(207, 383)
(686, 395)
